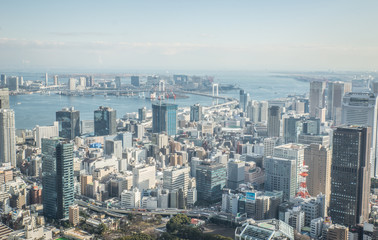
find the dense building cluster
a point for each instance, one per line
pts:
(298, 165)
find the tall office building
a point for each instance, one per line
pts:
(274, 121)
(4, 98)
(244, 99)
(105, 121)
(74, 216)
(293, 152)
(210, 181)
(90, 81)
(164, 118)
(45, 132)
(72, 84)
(3, 80)
(82, 82)
(257, 111)
(175, 178)
(57, 177)
(56, 80)
(12, 83)
(318, 159)
(235, 173)
(69, 123)
(118, 82)
(362, 109)
(142, 114)
(317, 96)
(281, 175)
(85, 180)
(350, 177)
(46, 79)
(7, 137)
(195, 112)
(336, 91)
(292, 128)
(135, 81)
(144, 177)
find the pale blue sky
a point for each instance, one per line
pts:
(189, 35)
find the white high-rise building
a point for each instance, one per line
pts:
(336, 92)
(362, 109)
(317, 96)
(280, 175)
(131, 199)
(82, 81)
(72, 84)
(235, 173)
(144, 177)
(7, 137)
(45, 132)
(292, 151)
(175, 178)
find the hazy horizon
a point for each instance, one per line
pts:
(189, 36)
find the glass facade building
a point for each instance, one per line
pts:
(350, 175)
(4, 98)
(69, 123)
(57, 177)
(210, 180)
(105, 121)
(164, 118)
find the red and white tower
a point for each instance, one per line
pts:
(303, 192)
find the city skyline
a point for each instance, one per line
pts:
(168, 35)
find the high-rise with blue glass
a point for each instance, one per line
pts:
(164, 118)
(210, 180)
(57, 177)
(105, 121)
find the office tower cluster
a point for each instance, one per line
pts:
(304, 164)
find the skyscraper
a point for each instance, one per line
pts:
(57, 177)
(350, 177)
(72, 84)
(317, 96)
(292, 128)
(118, 82)
(4, 98)
(318, 159)
(336, 91)
(210, 180)
(3, 80)
(164, 118)
(175, 178)
(56, 80)
(12, 83)
(7, 137)
(281, 175)
(362, 109)
(142, 114)
(135, 81)
(274, 117)
(293, 152)
(69, 123)
(244, 99)
(46, 79)
(105, 121)
(195, 113)
(235, 173)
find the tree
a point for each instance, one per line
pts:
(167, 236)
(176, 222)
(215, 237)
(138, 236)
